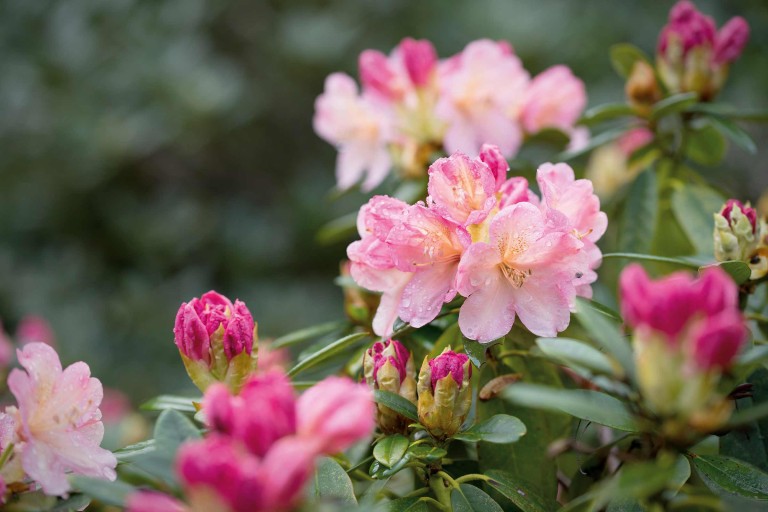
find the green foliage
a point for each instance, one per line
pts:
(694, 207)
(638, 222)
(729, 476)
(390, 449)
(331, 483)
(498, 429)
(396, 403)
(624, 56)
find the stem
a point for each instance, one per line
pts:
(757, 317)
(437, 484)
(471, 478)
(417, 492)
(448, 478)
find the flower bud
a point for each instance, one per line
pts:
(377, 76)
(491, 156)
(736, 232)
(420, 60)
(215, 339)
(731, 40)
(641, 89)
(445, 393)
(389, 366)
(359, 304)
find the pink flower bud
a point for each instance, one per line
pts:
(150, 501)
(747, 211)
(263, 412)
(687, 27)
(335, 414)
(491, 156)
(420, 59)
(399, 360)
(718, 339)
(449, 363)
(634, 139)
(376, 74)
(198, 321)
(731, 40)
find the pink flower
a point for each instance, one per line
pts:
(379, 76)
(420, 60)
(554, 99)
(58, 418)
(481, 92)
(700, 316)
(526, 269)
(334, 414)
(731, 40)
(358, 128)
(263, 412)
(150, 501)
(449, 363)
(462, 189)
(35, 328)
(491, 156)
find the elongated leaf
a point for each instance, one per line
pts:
(734, 132)
(469, 498)
(407, 505)
(605, 112)
(673, 104)
(326, 352)
(391, 449)
(522, 495)
(476, 351)
(427, 453)
(694, 207)
(730, 112)
(499, 429)
(683, 262)
(135, 450)
(624, 56)
(574, 352)
(306, 334)
(638, 221)
(397, 403)
(581, 403)
(109, 493)
(606, 333)
(172, 429)
(333, 483)
(74, 502)
(725, 475)
(176, 403)
(706, 145)
(738, 270)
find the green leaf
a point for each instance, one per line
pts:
(602, 308)
(338, 230)
(673, 104)
(176, 403)
(551, 136)
(109, 493)
(738, 270)
(694, 207)
(753, 355)
(172, 429)
(391, 449)
(581, 403)
(624, 56)
(638, 221)
(706, 145)
(306, 334)
(476, 351)
(397, 403)
(726, 475)
(407, 505)
(574, 352)
(728, 111)
(135, 450)
(333, 483)
(427, 453)
(326, 352)
(469, 498)
(639, 481)
(498, 429)
(523, 496)
(605, 112)
(734, 132)
(74, 502)
(606, 334)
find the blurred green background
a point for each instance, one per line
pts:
(151, 150)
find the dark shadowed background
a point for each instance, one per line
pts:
(151, 150)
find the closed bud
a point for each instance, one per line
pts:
(736, 232)
(215, 339)
(376, 75)
(388, 366)
(420, 60)
(445, 393)
(642, 89)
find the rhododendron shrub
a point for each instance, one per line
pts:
(512, 340)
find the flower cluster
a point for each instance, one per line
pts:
(56, 427)
(487, 238)
(413, 104)
(693, 55)
(262, 444)
(389, 366)
(686, 333)
(741, 235)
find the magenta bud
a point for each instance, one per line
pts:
(718, 340)
(376, 74)
(448, 363)
(731, 40)
(688, 27)
(399, 360)
(491, 156)
(749, 213)
(420, 59)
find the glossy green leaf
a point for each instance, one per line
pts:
(306, 334)
(332, 483)
(706, 145)
(605, 332)
(135, 450)
(397, 403)
(407, 505)
(574, 352)
(109, 493)
(606, 112)
(624, 56)
(738, 270)
(391, 449)
(683, 262)
(674, 104)
(451, 338)
(581, 403)
(694, 207)
(638, 221)
(327, 351)
(171, 429)
(735, 133)
(74, 502)
(476, 351)
(177, 403)
(730, 112)
(522, 495)
(426, 452)
(469, 498)
(498, 429)
(731, 476)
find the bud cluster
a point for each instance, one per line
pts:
(740, 235)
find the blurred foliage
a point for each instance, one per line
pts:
(151, 150)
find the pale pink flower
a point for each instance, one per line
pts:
(555, 98)
(515, 190)
(461, 189)
(481, 93)
(359, 130)
(527, 269)
(59, 421)
(35, 328)
(334, 414)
